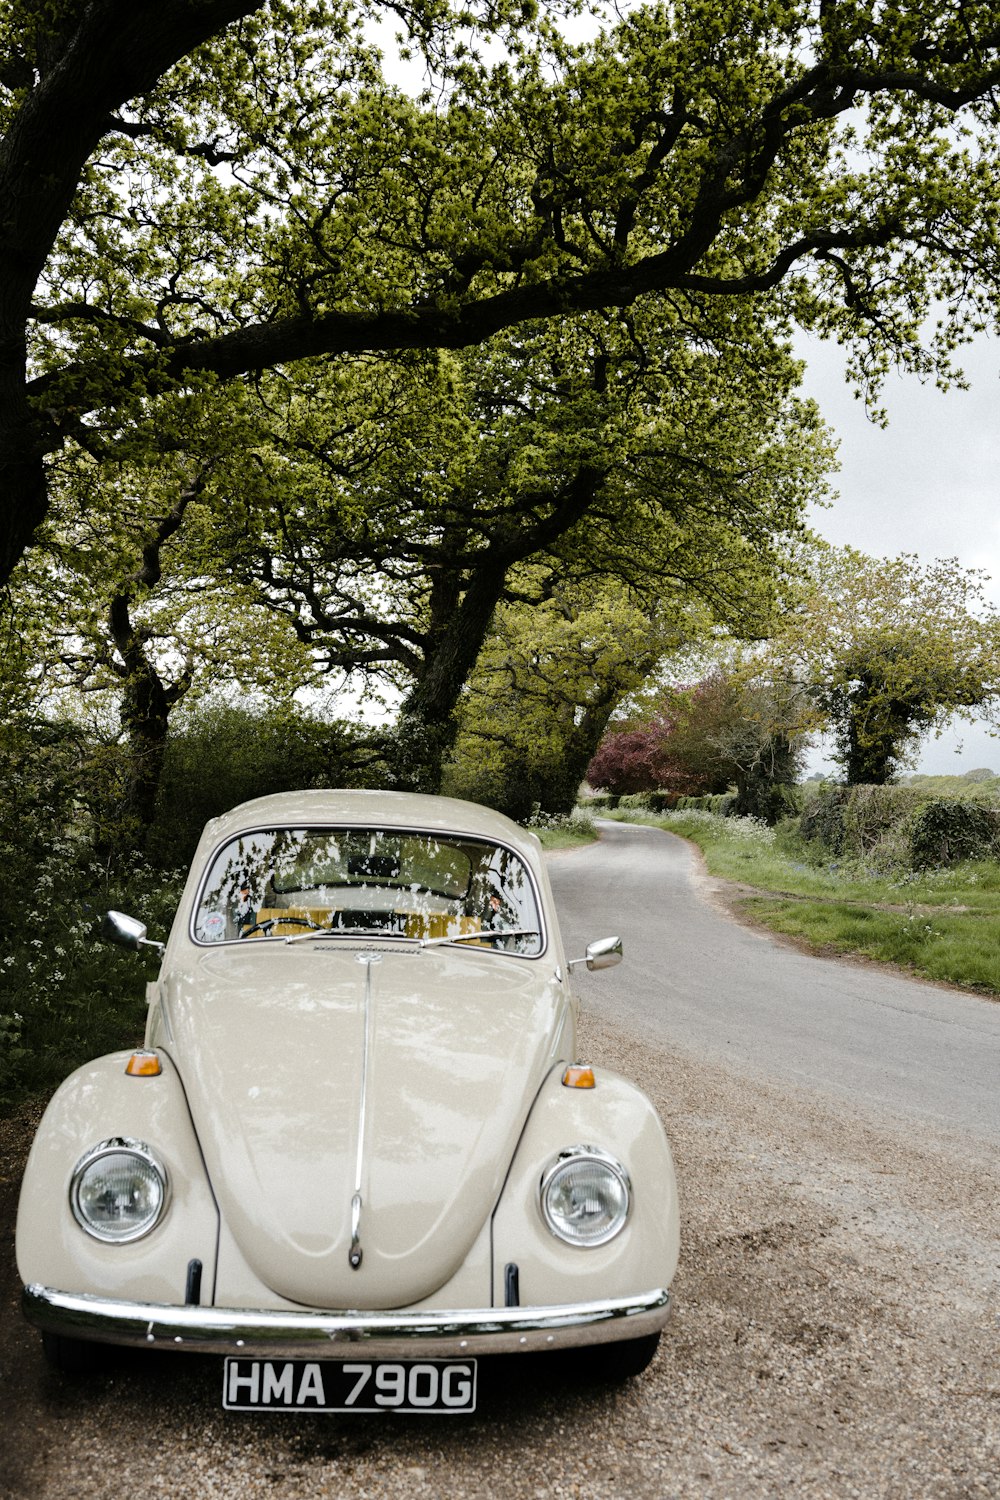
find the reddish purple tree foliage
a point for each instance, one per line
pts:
(677, 750)
(626, 761)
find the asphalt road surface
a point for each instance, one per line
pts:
(700, 981)
(835, 1329)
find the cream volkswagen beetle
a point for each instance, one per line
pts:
(358, 1149)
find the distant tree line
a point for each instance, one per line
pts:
(875, 652)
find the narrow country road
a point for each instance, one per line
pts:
(835, 1331)
(696, 979)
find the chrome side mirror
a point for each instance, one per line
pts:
(602, 953)
(127, 932)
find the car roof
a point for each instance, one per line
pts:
(373, 808)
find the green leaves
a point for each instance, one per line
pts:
(537, 309)
(890, 648)
(272, 174)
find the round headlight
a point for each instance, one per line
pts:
(585, 1196)
(119, 1190)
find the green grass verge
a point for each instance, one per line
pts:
(958, 949)
(565, 838)
(940, 924)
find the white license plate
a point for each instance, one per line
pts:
(431, 1385)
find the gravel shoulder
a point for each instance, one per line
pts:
(835, 1334)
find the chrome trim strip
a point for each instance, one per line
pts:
(356, 1253)
(388, 1335)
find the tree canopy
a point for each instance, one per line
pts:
(198, 191)
(887, 649)
(390, 506)
(547, 681)
(878, 652)
(366, 518)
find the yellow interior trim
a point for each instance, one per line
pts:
(434, 924)
(418, 924)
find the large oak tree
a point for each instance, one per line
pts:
(194, 191)
(394, 504)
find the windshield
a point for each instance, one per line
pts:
(289, 882)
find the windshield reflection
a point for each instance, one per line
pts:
(277, 883)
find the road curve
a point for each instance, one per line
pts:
(696, 979)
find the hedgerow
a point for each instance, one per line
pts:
(944, 832)
(887, 827)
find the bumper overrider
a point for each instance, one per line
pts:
(326, 1335)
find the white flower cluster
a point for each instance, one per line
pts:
(579, 819)
(752, 831)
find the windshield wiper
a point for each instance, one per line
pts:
(380, 932)
(478, 937)
(336, 932)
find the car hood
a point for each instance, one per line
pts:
(285, 1049)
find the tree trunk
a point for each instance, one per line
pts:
(146, 700)
(762, 785)
(145, 715)
(559, 786)
(872, 750)
(425, 731)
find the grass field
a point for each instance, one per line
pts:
(940, 924)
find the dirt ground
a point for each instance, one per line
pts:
(836, 1333)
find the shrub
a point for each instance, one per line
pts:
(878, 816)
(752, 832)
(886, 827)
(822, 820)
(870, 824)
(224, 755)
(945, 831)
(578, 821)
(67, 997)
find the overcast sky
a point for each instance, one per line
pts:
(929, 484)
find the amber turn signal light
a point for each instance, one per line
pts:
(143, 1065)
(579, 1076)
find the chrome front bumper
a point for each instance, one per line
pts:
(382, 1335)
